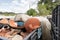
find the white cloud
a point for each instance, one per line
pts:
(18, 6)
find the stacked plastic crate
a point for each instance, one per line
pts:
(56, 23)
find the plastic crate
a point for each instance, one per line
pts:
(56, 23)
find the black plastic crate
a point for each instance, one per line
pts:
(55, 32)
(56, 23)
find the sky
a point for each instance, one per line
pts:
(17, 6)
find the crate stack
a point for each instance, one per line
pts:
(56, 23)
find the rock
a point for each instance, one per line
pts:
(46, 27)
(23, 16)
(17, 37)
(31, 24)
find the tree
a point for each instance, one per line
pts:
(45, 7)
(31, 12)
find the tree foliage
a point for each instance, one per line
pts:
(8, 13)
(31, 12)
(47, 7)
